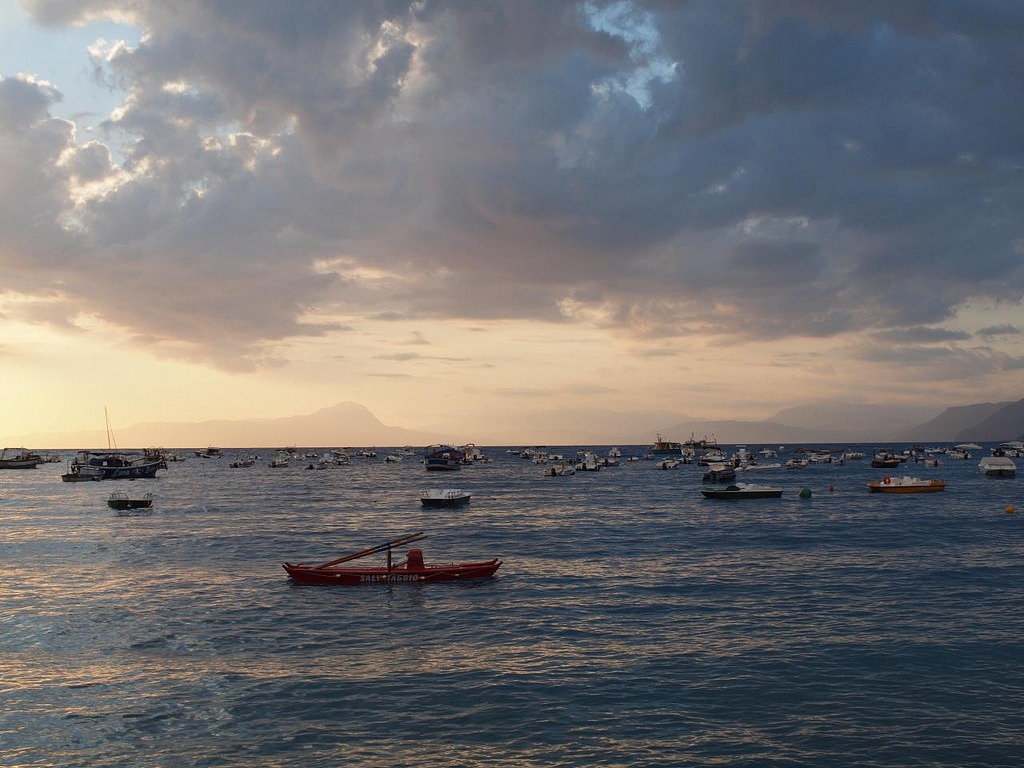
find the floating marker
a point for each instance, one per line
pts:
(1011, 509)
(805, 493)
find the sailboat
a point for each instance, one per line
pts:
(112, 464)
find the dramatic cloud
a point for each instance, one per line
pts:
(742, 169)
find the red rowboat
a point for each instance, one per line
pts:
(412, 569)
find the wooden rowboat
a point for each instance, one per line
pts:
(412, 569)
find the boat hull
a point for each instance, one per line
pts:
(726, 494)
(19, 463)
(719, 476)
(445, 502)
(354, 576)
(129, 503)
(932, 486)
(444, 458)
(137, 472)
(19, 459)
(442, 465)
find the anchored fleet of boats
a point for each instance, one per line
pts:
(721, 469)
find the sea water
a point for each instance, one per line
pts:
(633, 622)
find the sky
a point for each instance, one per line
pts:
(469, 211)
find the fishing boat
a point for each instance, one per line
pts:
(19, 458)
(111, 465)
(448, 497)
(906, 485)
(742, 491)
(663, 447)
(120, 500)
(443, 458)
(411, 569)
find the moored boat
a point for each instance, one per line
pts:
(19, 458)
(663, 447)
(719, 473)
(906, 485)
(443, 458)
(997, 466)
(885, 460)
(742, 491)
(111, 465)
(412, 569)
(120, 501)
(447, 497)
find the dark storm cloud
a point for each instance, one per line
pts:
(748, 169)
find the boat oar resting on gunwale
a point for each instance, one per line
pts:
(412, 569)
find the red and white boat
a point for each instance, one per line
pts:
(412, 569)
(906, 485)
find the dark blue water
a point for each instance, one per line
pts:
(634, 623)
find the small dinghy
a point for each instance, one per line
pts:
(906, 485)
(449, 497)
(120, 500)
(412, 569)
(742, 491)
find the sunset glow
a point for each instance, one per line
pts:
(475, 221)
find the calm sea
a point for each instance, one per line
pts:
(633, 622)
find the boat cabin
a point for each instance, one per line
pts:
(414, 559)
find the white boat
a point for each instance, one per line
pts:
(758, 467)
(559, 470)
(713, 456)
(796, 463)
(997, 466)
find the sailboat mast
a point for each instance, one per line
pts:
(111, 442)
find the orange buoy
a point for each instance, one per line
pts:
(1011, 509)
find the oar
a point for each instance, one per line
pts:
(407, 539)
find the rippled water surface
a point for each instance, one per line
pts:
(633, 622)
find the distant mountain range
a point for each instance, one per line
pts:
(352, 425)
(342, 425)
(978, 423)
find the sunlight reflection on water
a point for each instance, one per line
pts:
(633, 623)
